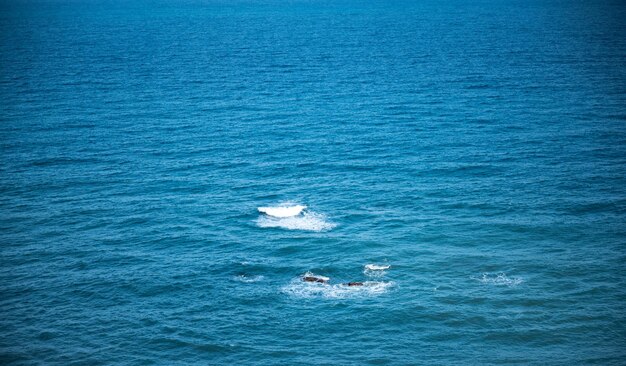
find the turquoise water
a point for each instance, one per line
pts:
(477, 149)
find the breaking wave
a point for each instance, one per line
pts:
(375, 270)
(308, 221)
(377, 267)
(282, 210)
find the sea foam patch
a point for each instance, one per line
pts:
(498, 279)
(308, 290)
(293, 218)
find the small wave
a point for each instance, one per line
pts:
(499, 279)
(282, 211)
(249, 279)
(377, 267)
(375, 270)
(308, 221)
(308, 290)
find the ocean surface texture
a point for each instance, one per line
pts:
(466, 161)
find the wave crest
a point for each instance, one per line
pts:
(282, 210)
(377, 267)
(308, 221)
(375, 270)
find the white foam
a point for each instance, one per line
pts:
(249, 279)
(499, 279)
(283, 210)
(308, 290)
(309, 221)
(377, 267)
(375, 270)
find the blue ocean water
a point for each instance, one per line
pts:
(476, 148)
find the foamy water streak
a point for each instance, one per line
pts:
(302, 289)
(499, 279)
(308, 221)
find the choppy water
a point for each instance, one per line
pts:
(477, 149)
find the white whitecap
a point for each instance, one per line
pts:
(499, 279)
(249, 279)
(377, 267)
(375, 270)
(308, 221)
(282, 211)
(308, 290)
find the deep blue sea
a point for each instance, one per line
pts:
(465, 160)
